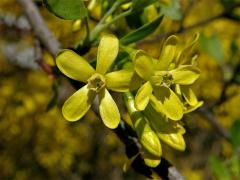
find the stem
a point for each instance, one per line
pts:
(100, 27)
(111, 10)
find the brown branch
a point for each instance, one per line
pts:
(214, 122)
(125, 133)
(39, 26)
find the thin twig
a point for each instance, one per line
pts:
(39, 26)
(214, 122)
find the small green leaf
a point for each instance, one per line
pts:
(219, 169)
(235, 135)
(141, 32)
(67, 9)
(212, 46)
(172, 10)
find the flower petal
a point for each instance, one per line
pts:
(119, 80)
(78, 104)
(176, 141)
(168, 53)
(143, 95)
(107, 53)
(108, 109)
(73, 65)
(160, 123)
(189, 95)
(193, 108)
(143, 65)
(167, 130)
(185, 75)
(148, 137)
(150, 160)
(167, 102)
(189, 52)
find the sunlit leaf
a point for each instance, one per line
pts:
(172, 10)
(212, 46)
(67, 9)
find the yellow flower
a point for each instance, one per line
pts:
(97, 82)
(188, 56)
(152, 150)
(161, 76)
(168, 131)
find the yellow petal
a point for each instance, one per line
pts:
(189, 95)
(193, 108)
(119, 80)
(167, 130)
(78, 104)
(150, 160)
(143, 65)
(176, 141)
(73, 65)
(188, 53)
(185, 75)
(167, 102)
(107, 53)
(148, 137)
(108, 109)
(168, 53)
(160, 123)
(143, 95)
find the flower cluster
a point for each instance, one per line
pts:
(162, 89)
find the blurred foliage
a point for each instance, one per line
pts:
(35, 144)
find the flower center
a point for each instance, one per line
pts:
(96, 82)
(162, 78)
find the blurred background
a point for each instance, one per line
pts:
(37, 143)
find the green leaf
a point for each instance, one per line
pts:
(219, 169)
(141, 32)
(212, 46)
(138, 5)
(235, 135)
(172, 10)
(67, 9)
